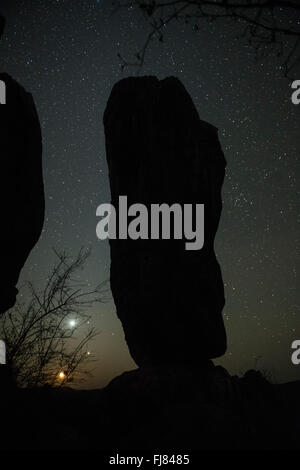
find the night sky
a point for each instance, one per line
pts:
(65, 53)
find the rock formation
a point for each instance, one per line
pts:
(2, 24)
(157, 409)
(168, 299)
(21, 185)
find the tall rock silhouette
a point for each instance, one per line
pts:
(21, 184)
(168, 299)
(2, 24)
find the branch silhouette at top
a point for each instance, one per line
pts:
(268, 25)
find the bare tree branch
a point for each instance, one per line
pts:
(42, 347)
(266, 24)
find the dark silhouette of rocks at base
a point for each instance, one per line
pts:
(182, 408)
(21, 185)
(168, 299)
(157, 408)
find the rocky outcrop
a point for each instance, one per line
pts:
(173, 407)
(2, 24)
(21, 185)
(168, 299)
(157, 409)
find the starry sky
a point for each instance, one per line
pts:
(66, 53)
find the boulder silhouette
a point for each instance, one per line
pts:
(168, 299)
(21, 185)
(2, 24)
(167, 407)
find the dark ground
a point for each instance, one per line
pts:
(172, 407)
